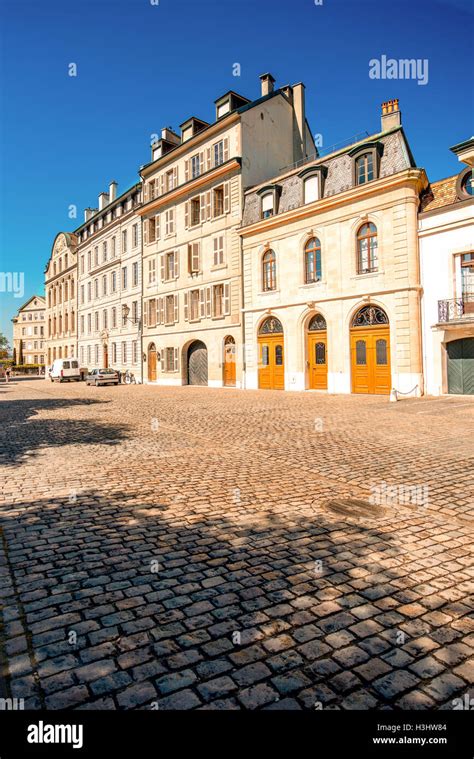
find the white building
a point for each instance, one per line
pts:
(446, 233)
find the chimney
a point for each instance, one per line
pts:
(112, 190)
(103, 200)
(267, 84)
(288, 93)
(87, 214)
(300, 116)
(391, 115)
(170, 136)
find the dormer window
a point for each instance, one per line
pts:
(313, 183)
(465, 184)
(366, 162)
(269, 199)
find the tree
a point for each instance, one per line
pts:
(20, 353)
(4, 346)
(14, 356)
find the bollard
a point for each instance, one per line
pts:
(393, 395)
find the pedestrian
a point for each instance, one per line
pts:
(7, 373)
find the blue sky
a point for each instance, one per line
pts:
(141, 67)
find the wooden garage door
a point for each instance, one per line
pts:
(197, 364)
(461, 366)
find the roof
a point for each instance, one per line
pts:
(38, 297)
(441, 193)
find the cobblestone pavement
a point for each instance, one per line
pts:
(183, 548)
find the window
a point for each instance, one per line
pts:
(124, 353)
(104, 251)
(151, 270)
(312, 261)
(89, 323)
(367, 249)
(194, 305)
(135, 352)
(104, 319)
(151, 229)
(96, 321)
(82, 264)
(96, 354)
(361, 353)
(218, 301)
(135, 274)
(218, 201)
(124, 241)
(89, 291)
(96, 288)
(364, 168)
(195, 166)
(267, 206)
(114, 317)
(170, 266)
(170, 360)
(465, 184)
(468, 183)
(169, 309)
(104, 285)
(124, 315)
(219, 153)
(381, 353)
(269, 270)
(124, 278)
(114, 247)
(134, 235)
(82, 325)
(82, 294)
(195, 211)
(169, 222)
(169, 180)
(311, 189)
(113, 279)
(218, 251)
(114, 353)
(135, 312)
(194, 257)
(96, 255)
(152, 312)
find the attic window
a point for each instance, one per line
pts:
(223, 108)
(465, 184)
(267, 205)
(366, 162)
(187, 133)
(313, 183)
(269, 197)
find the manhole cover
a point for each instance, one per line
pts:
(354, 507)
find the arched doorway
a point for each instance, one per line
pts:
(317, 353)
(151, 362)
(229, 361)
(271, 355)
(370, 351)
(197, 363)
(460, 357)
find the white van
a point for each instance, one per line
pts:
(65, 369)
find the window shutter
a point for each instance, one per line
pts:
(202, 302)
(186, 306)
(226, 197)
(145, 232)
(208, 301)
(145, 193)
(208, 205)
(202, 199)
(186, 171)
(176, 264)
(176, 359)
(208, 159)
(226, 149)
(161, 308)
(162, 268)
(216, 243)
(176, 308)
(162, 361)
(175, 177)
(145, 314)
(196, 256)
(186, 214)
(157, 226)
(227, 299)
(162, 184)
(201, 163)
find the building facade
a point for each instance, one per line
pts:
(446, 230)
(331, 278)
(192, 207)
(60, 293)
(29, 332)
(109, 294)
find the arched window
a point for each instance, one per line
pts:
(367, 259)
(364, 168)
(369, 316)
(271, 326)
(269, 270)
(317, 324)
(312, 261)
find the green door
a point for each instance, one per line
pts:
(461, 366)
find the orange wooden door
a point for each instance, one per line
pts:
(229, 365)
(271, 362)
(318, 360)
(152, 366)
(370, 361)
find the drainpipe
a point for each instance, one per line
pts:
(140, 324)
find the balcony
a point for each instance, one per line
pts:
(456, 309)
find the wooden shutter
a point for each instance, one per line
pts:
(162, 184)
(162, 268)
(176, 358)
(202, 302)
(186, 297)
(171, 230)
(175, 177)
(186, 214)
(208, 205)
(226, 149)
(157, 226)
(201, 162)
(176, 264)
(161, 310)
(208, 159)
(145, 193)
(176, 308)
(186, 171)
(202, 200)
(208, 301)
(162, 359)
(145, 315)
(226, 197)
(216, 249)
(145, 232)
(196, 256)
(227, 299)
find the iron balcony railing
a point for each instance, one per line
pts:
(455, 308)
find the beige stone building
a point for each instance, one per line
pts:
(331, 276)
(29, 332)
(60, 290)
(192, 206)
(446, 231)
(109, 293)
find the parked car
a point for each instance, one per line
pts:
(65, 369)
(102, 377)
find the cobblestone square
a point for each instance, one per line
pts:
(197, 548)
